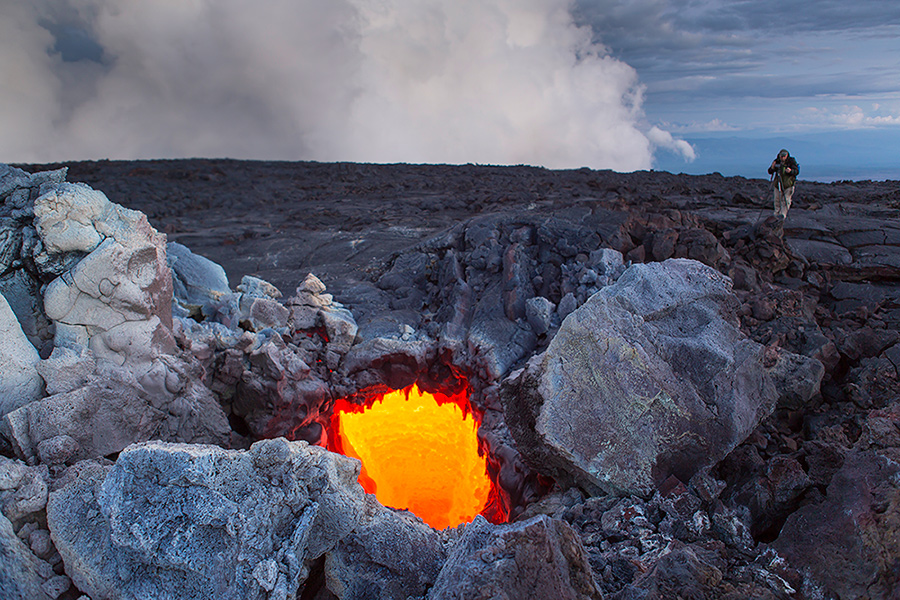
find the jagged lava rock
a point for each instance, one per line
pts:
(850, 541)
(19, 568)
(393, 554)
(113, 410)
(537, 558)
(193, 521)
(649, 378)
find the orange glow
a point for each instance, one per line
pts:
(418, 453)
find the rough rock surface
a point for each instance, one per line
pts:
(19, 568)
(650, 378)
(458, 275)
(114, 374)
(392, 554)
(193, 521)
(112, 411)
(537, 558)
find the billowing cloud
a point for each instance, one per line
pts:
(664, 139)
(488, 81)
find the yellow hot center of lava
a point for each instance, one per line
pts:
(420, 456)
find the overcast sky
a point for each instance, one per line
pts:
(694, 86)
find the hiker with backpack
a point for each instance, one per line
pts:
(784, 171)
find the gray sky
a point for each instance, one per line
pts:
(598, 83)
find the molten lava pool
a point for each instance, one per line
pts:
(418, 452)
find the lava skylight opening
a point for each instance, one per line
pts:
(418, 452)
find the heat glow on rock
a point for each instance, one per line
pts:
(419, 452)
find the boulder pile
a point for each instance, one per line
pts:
(677, 397)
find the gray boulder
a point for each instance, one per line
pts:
(20, 382)
(23, 490)
(393, 554)
(650, 378)
(114, 410)
(193, 521)
(119, 295)
(537, 558)
(196, 279)
(19, 568)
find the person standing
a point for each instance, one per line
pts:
(784, 170)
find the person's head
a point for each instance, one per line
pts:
(783, 154)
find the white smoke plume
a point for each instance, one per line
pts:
(481, 81)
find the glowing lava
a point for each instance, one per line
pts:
(418, 453)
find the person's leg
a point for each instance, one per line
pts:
(788, 196)
(780, 208)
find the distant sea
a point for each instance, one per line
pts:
(863, 154)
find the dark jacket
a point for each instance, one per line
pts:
(787, 169)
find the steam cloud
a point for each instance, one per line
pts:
(483, 81)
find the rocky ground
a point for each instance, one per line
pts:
(781, 480)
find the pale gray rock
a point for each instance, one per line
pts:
(65, 218)
(113, 411)
(68, 368)
(196, 279)
(340, 327)
(392, 554)
(23, 489)
(311, 284)
(58, 450)
(311, 307)
(608, 262)
(651, 377)
(258, 288)
(120, 293)
(56, 586)
(193, 521)
(539, 314)
(537, 558)
(20, 382)
(19, 568)
(267, 313)
(12, 473)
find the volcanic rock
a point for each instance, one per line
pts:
(193, 521)
(849, 542)
(537, 558)
(114, 410)
(649, 378)
(196, 279)
(392, 554)
(455, 276)
(21, 382)
(19, 568)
